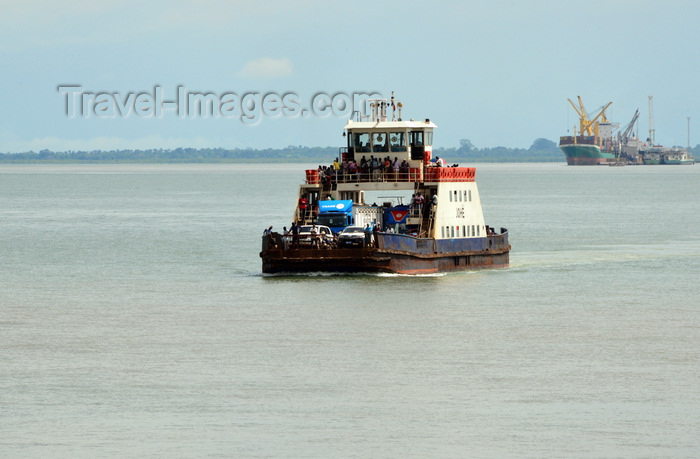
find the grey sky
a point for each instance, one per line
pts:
(497, 72)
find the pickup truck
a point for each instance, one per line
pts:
(315, 236)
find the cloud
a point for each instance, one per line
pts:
(266, 67)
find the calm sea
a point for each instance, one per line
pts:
(134, 322)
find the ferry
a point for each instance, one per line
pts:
(441, 229)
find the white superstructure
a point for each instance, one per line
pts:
(372, 142)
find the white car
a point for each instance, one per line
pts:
(352, 236)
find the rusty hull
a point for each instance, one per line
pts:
(276, 260)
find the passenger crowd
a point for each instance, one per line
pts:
(366, 170)
(369, 170)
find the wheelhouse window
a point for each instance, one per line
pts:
(334, 220)
(397, 141)
(361, 141)
(379, 142)
(429, 138)
(415, 138)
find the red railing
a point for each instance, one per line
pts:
(450, 174)
(430, 174)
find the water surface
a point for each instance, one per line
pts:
(135, 322)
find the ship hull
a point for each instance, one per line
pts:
(586, 155)
(397, 254)
(683, 161)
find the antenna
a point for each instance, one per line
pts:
(651, 120)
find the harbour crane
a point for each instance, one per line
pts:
(625, 135)
(586, 126)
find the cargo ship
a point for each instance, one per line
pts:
(593, 143)
(338, 227)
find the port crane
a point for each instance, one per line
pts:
(586, 126)
(626, 134)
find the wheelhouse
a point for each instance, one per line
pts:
(379, 137)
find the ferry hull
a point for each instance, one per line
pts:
(376, 261)
(392, 256)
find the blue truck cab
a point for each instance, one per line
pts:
(335, 214)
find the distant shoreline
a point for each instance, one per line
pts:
(291, 154)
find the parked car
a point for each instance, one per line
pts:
(352, 236)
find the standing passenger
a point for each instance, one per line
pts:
(303, 204)
(404, 170)
(420, 201)
(295, 236)
(285, 238)
(395, 166)
(314, 237)
(376, 169)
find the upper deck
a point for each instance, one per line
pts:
(385, 152)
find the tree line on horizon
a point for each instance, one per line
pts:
(541, 150)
